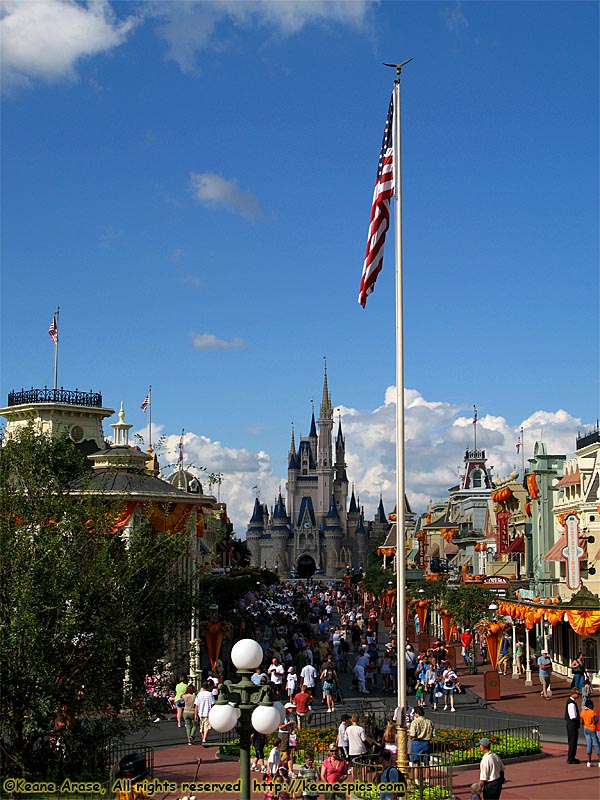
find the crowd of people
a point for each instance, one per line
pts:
(312, 636)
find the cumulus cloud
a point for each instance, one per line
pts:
(44, 40)
(244, 473)
(189, 28)
(437, 435)
(208, 341)
(214, 191)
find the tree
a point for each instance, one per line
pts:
(80, 607)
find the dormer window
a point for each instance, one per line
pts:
(476, 479)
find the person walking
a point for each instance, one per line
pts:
(491, 771)
(179, 703)
(334, 770)
(356, 738)
(579, 675)
(329, 680)
(449, 680)
(544, 671)
(573, 722)
(590, 729)
(189, 715)
(202, 706)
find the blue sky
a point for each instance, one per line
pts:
(191, 183)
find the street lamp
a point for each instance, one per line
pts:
(246, 705)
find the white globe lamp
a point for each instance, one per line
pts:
(265, 719)
(280, 709)
(247, 654)
(223, 717)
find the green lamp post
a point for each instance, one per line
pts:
(246, 705)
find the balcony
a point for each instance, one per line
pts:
(64, 396)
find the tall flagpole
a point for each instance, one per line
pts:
(56, 315)
(400, 477)
(150, 416)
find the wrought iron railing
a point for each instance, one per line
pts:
(68, 396)
(433, 779)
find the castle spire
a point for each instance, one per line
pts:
(326, 399)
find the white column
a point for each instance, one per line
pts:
(528, 681)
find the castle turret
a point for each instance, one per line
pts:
(333, 539)
(256, 529)
(280, 532)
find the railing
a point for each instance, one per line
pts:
(433, 779)
(68, 396)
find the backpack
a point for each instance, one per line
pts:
(385, 775)
(329, 675)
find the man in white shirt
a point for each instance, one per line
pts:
(202, 706)
(491, 771)
(276, 674)
(308, 675)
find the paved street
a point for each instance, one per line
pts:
(545, 778)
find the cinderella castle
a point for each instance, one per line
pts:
(317, 531)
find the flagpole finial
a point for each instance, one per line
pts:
(398, 67)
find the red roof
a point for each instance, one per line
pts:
(517, 545)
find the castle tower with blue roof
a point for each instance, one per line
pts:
(315, 530)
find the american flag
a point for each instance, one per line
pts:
(53, 330)
(380, 212)
(474, 415)
(518, 445)
(146, 402)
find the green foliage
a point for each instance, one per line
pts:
(376, 579)
(467, 603)
(78, 604)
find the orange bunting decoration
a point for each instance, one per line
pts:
(532, 486)
(422, 606)
(447, 622)
(584, 622)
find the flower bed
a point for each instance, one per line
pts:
(459, 743)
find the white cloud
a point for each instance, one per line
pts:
(241, 470)
(214, 191)
(191, 27)
(208, 341)
(456, 21)
(438, 433)
(44, 40)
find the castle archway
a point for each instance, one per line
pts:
(306, 566)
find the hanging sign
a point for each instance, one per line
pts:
(573, 552)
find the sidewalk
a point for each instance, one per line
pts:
(546, 778)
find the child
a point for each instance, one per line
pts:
(309, 774)
(291, 683)
(274, 760)
(420, 693)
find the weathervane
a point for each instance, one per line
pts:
(398, 67)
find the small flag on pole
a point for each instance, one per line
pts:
(518, 445)
(380, 212)
(53, 330)
(474, 415)
(146, 403)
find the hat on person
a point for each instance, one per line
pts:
(290, 669)
(485, 742)
(289, 705)
(544, 652)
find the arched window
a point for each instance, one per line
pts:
(476, 479)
